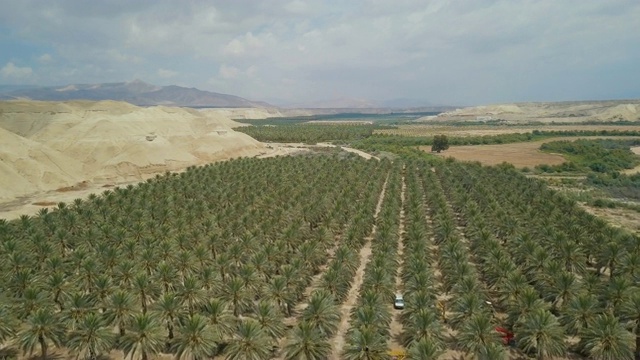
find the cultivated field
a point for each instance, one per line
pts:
(300, 258)
(519, 154)
(484, 130)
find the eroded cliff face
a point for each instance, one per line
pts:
(51, 145)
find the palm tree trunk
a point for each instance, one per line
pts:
(144, 302)
(43, 347)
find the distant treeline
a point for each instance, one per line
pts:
(347, 117)
(362, 136)
(383, 139)
(602, 160)
(600, 155)
(309, 133)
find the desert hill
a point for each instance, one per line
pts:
(577, 111)
(135, 92)
(51, 145)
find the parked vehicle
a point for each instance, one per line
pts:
(398, 302)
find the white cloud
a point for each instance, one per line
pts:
(45, 58)
(444, 50)
(12, 72)
(249, 44)
(228, 72)
(164, 73)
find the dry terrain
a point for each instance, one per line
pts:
(59, 151)
(524, 154)
(519, 154)
(565, 112)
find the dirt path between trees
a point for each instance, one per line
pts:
(345, 310)
(396, 326)
(292, 321)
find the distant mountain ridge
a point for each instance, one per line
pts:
(136, 92)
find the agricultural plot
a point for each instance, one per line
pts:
(301, 257)
(461, 130)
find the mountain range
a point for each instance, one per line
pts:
(136, 92)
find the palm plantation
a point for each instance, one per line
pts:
(215, 260)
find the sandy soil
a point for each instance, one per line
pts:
(352, 298)
(518, 154)
(619, 217)
(525, 154)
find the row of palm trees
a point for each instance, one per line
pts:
(200, 263)
(318, 323)
(423, 329)
(542, 272)
(369, 325)
(472, 318)
(211, 261)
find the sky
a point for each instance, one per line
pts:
(289, 52)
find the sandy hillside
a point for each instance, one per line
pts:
(547, 112)
(50, 145)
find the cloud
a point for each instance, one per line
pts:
(12, 72)
(248, 44)
(228, 72)
(45, 58)
(448, 51)
(164, 73)
(232, 72)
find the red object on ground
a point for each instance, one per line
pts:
(507, 336)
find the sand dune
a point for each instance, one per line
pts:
(50, 145)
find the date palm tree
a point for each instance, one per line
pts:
(580, 312)
(423, 324)
(269, 319)
(278, 292)
(237, 295)
(630, 313)
(607, 339)
(77, 307)
(169, 311)
(194, 339)
(477, 334)
(144, 337)
(7, 325)
(307, 343)
(541, 333)
(365, 344)
(42, 328)
(145, 289)
(250, 342)
(322, 313)
(192, 294)
(220, 318)
(120, 310)
(426, 349)
(91, 338)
